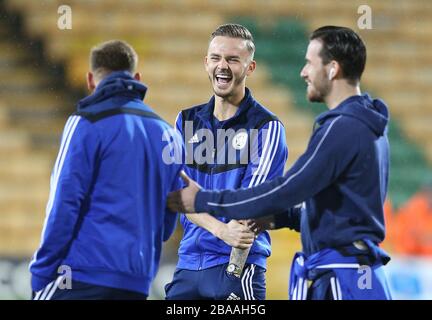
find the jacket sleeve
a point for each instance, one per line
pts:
(71, 179)
(329, 152)
(179, 124)
(170, 219)
(290, 218)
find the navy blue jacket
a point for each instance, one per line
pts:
(106, 216)
(254, 151)
(342, 178)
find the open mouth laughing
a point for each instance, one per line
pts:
(223, 80)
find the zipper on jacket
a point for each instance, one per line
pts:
(200, 262)
(199, 249)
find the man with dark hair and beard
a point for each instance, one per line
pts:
(341, 180)
(223, 152)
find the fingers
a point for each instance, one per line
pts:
(174, 202)
(243, 243)
(244, 231)
(243, 246)
(252, 228)
(247, 236)
(246, 222)
(188, 181)
(255, 226)
(243, 222)
(251, 225)
(170, 201)
(239, 235)
(185, 177)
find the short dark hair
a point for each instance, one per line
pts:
(238, 31)
(344, 46)
(113, 55)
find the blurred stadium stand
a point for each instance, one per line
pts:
(42, 75)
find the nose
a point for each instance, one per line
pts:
(223, 64)
(303, 73)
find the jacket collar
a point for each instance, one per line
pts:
(372, 112)
(206, 113)
(118, 83)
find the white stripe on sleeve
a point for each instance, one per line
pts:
(67, 136)
(264, 155)
(273, 154)
(243, 283)
(333, 288)
(338, 289)
(251, 282)
(275, 189)
(63, 139)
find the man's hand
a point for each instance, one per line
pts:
(261, 224)
(183, 200)
(236, 235)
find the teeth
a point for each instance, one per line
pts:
(223, 76)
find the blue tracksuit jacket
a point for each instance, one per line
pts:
(342, 178)
(253, 151)
(106, 216)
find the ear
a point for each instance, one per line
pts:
(137, 76)
(251, 67)
(206, 63)
(334, 70)
(91, 85)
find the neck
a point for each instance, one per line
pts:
(227, 107)
(341, 91)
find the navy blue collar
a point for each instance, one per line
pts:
(341, 106)
(206, 113)
(372, 112)
(117, 83)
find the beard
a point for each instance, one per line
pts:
(318, 90)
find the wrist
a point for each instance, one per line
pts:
(218, 230)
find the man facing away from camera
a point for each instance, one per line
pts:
(341, 179)
(106, 217)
